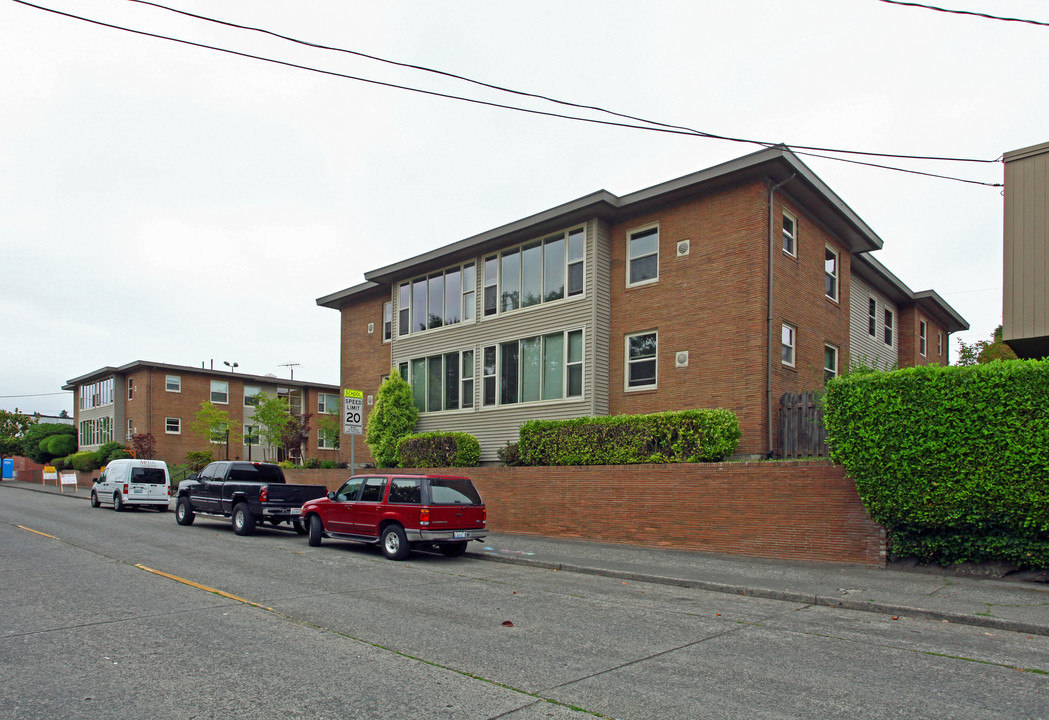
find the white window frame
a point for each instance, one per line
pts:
(790, 237)
(322, 443)
(939, 344)
(326, 408)
(177, 383)
(251, 391)
(168, 424)
(387, 321)
(836, 275)
(789, 341)
(872, 317)
(830, 372)
(923, 338)
(628, 362)
(220, 383)
(890, 321)
(130, 389)
(630, 259)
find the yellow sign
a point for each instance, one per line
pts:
(359, 394)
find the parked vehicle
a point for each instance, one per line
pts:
(399, 513)
(132, 483)
(246, 492)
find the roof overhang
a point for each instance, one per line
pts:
(928, 301)
(108, 371)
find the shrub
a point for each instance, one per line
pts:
(35, 434)
(510, 455)
(392, 418)
(197, 459)
(951, 460)
(112, 451)
(312, 463)
(286, 464)
(59, 446)
(437, 449)
(667, 437)
(85, 461)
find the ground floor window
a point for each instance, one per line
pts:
(173, 426)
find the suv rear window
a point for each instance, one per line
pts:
(256, 473)
(453, 491)
(148, 476)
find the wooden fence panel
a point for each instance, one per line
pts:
(802, 433)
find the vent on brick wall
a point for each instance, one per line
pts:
(682, 248)
(371, 328)
(681, 359)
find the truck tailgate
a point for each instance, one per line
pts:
(293, 495)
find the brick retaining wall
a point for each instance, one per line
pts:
(798, 511)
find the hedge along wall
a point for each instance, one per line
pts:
(794, 511)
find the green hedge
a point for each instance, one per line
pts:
(953, 461)
(439, 449)
(668, 437)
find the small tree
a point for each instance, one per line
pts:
(984, 351)
(214, 425)
(330, 427)
(272, 416)
(36, 434)
(392, 418)
(144, 445)
(13, 426)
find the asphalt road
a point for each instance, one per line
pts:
(89, 630)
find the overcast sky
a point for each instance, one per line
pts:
(175, 204)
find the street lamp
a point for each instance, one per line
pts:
(227, 364)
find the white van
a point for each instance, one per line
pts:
(130, 483)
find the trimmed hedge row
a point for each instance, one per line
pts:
(439, 449)
(953, 461)
(668, 437)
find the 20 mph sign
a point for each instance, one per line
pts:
(352, 412)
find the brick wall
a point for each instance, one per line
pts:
(797, 511)
(364, 358)
(910, 339)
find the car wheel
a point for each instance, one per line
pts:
(316, 530)
(243, 520)
(453, 549)
(184, 511)
(118, 502)
(300, 529)
(94, 500)
(394, 543)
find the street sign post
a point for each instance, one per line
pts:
(352, 420)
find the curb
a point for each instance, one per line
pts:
(785, 595)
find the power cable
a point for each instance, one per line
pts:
(965, 12)
(663, 128)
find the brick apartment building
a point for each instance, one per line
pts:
(114, 403)
(724, 288)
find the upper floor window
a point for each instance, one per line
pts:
(787, 341)
(251, 395)
(173, 383)
(830, 272)
(130, 389)
(436, 300)
(939, 344)
(830, 362)
(97, 394)
(537, 272)
(387, 321)
(888, 327)
(328, 403)
(641, 360)
(872, 317)
(790, 237)
(643, 256)
(220, 392)
(923, 332)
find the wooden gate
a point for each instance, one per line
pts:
(801, 429)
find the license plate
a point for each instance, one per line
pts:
(460, 534)
(295, 511)
(137, 491)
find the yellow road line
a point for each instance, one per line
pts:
(184, 581)
(23, 527)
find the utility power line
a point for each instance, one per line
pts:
(965, 12)
(651, 126)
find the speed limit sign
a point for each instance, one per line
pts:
(352, 412)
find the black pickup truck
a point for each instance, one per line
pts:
(247, 492)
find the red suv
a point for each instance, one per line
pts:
(400, 512)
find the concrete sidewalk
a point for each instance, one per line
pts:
(934, 594)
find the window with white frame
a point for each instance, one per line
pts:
(328, 404)
(888, 327)
(130, 389)
(939, 344)
(404, 309)
(251, 395)
(534, 369)
(96, 394)
(435, 300)
(489, 377)
(323, 441)
(387, 321)
(173, 383)
(830, 273)
(441, 382)
(541, 271)
(173, 426)
(641, 354)
(790, 234)
(130, 428)
(642, 256)
(830, 362)
(788, 338)
(872, 317)
(923, 332)
(220, 392)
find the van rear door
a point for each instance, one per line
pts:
(148, 482)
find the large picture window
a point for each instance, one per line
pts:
(534, 369)
(541, 271)
(441, 382)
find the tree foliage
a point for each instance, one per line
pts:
(13, 426)
(393, 417)
(35, 435)
(144, 445)
(330, 427)
(212, 424)
(984, 351)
